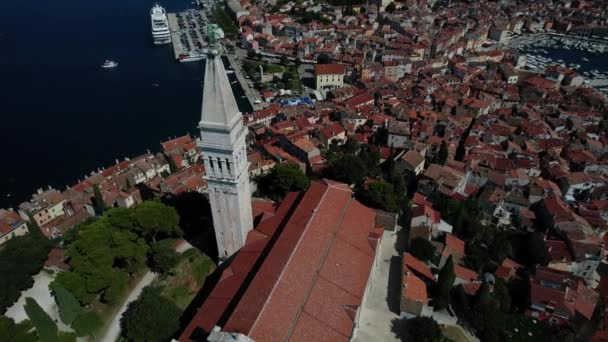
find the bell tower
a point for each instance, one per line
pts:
(224, 154)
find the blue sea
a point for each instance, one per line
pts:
(64, 116)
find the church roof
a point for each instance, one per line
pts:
(309, 283)
(220, 111)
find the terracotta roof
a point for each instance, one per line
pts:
(330, 69)
(465, 273)
(413, 287)
(309, 283)
(417, 266)
(413, 158)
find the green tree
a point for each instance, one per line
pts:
(489, 320)
(298, 61)
(420, 329)
(390, 8)
(284, 60)
(21, 258)
(100, 205)
(119, 281)
(163, 256)
(64, 336)
(17, 332)
(45, 326)
(252, 54)
(351, 146)
(323, 58)
(151, 318)
(444, 284)
(282, 179)
(287, 76)
(502, 296)
(68, 305)
(153, 218)
(347, 168)
(422, 249)
(442, 154)
(380, 194)
(87, 324)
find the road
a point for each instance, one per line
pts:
(113, 332)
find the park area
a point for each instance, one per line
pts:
(119, 267)
(272, 76)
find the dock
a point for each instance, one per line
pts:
(188, 32)
(252, 94)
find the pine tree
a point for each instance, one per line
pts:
(444, 284)
(45, 326)
(68, 305)
(100, 205)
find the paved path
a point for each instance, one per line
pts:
(41, 293)
(113, 332)
(375, 322)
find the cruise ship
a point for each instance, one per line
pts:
(160, 25)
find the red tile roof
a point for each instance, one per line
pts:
(465, 273)
(312, 279)
(417, 266)
(330, 69)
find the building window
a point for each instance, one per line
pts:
(228, 165)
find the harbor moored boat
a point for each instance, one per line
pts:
(160, 25)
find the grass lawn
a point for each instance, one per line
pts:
(186, 279)
(253, 71)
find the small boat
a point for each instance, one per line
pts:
(155, 84)
(585, 59)
(108, 64)
(229, 71)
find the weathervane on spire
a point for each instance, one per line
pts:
(214, 34)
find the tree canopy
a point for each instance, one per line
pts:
(22, 257)
(380, 194)
(44, 324)
(151, 317)
(422, 249)
(17, 332)
(444, 284)
(323, 58)
(68, 305)
(114, 246)
(420, 329)
(282, 179)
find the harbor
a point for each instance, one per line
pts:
(188, 34)
(584, 55)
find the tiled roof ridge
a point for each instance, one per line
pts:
(334, 235)
(258, 264)
(323, 323)
(290, 257)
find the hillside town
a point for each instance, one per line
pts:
(450, 191)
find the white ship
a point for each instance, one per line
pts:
(160, 25)
(108, 64)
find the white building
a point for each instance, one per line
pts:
(11, 225)
(224, 154)
(329, 76)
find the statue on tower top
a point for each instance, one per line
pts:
(214, 34)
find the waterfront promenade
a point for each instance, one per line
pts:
(253, 96)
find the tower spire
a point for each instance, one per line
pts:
(224, 154)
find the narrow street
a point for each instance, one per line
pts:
(376, 318)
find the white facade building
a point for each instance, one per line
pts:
(224, 154)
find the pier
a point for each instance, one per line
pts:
(187, 34)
